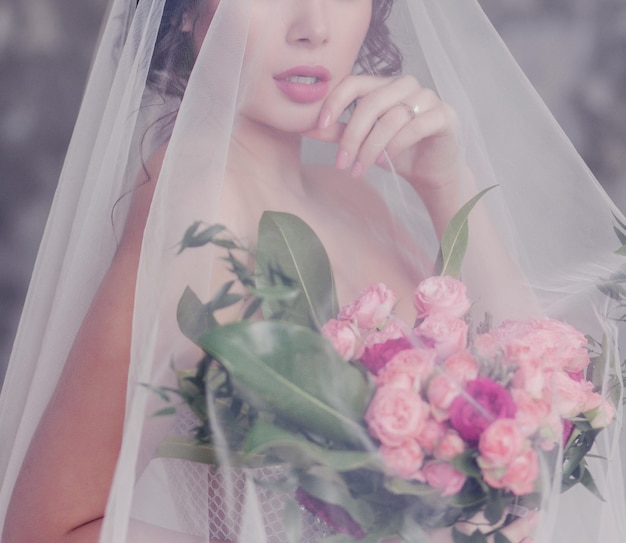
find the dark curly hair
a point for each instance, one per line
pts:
(173, 57)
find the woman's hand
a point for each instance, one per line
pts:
(396, 122)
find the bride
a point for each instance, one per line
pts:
(217, 111)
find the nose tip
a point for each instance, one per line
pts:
(309, 26)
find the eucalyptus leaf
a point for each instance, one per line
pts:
(301, 453)
(187, 449)
(586, 479)
(288, 244)
(399, 486)
(295, 374)
(193, 317)
(455, 238)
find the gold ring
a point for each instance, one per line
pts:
(413, 110)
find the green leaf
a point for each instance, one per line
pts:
(301, 453)
(193, 317)
(288, 244)
(294, 373)
(399, 486)
(475, 537)
(494, 510)
(187, 449)
(586, 479)
(166, 411)
(193, 238)
(621, 251)
(454, 240)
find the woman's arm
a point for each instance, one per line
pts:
(62, 488)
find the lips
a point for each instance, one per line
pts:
(304, 84)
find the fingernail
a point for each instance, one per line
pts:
(343, 160)
(325, 117)
(357, 169)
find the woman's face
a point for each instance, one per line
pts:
(297, 51)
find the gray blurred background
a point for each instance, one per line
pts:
(574, 51)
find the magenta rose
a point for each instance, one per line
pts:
(482, 402)
(376, 356)
(333, 515)
(441, 295)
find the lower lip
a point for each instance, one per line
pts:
(303, 93)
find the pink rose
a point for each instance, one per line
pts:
(371, 308)
(461, 367)
(449, 446)
(441, 392)
(446, 335)
(530, 376)
(443, 476)
(395, 415)
(602, 415)
(408, 368)
(569, 395)
(482, 402)
(531, 412)
(441, 295)
(405, 460)
(522, 473)
(392, 329)
(500, 443)
(376, 357)
(569, 346)
(344, 337)
(432, 432)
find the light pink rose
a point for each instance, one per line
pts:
(432, 432)
(461, 367)
(530, 376)
(449, 446)
(443, 476)
(569, 347)
(393, 328)
(371, 309)
(344, 337)
(446, 335)
(522, 472)
(602, 415)
(405, 460)
(569, 395)
(396, 415)
(441, 295)
(408, 368)
(531, 412)
(500, 443)
(441, 392)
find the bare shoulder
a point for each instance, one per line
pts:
(142, 195)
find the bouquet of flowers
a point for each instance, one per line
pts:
(384, 428)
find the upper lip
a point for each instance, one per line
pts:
(306, 71)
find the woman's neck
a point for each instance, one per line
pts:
(261, 154)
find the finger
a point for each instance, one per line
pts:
(437, 121)
(351, 88)
(368, 112)
(393, 130)
(330, 134)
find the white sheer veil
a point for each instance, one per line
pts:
(548, 209)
